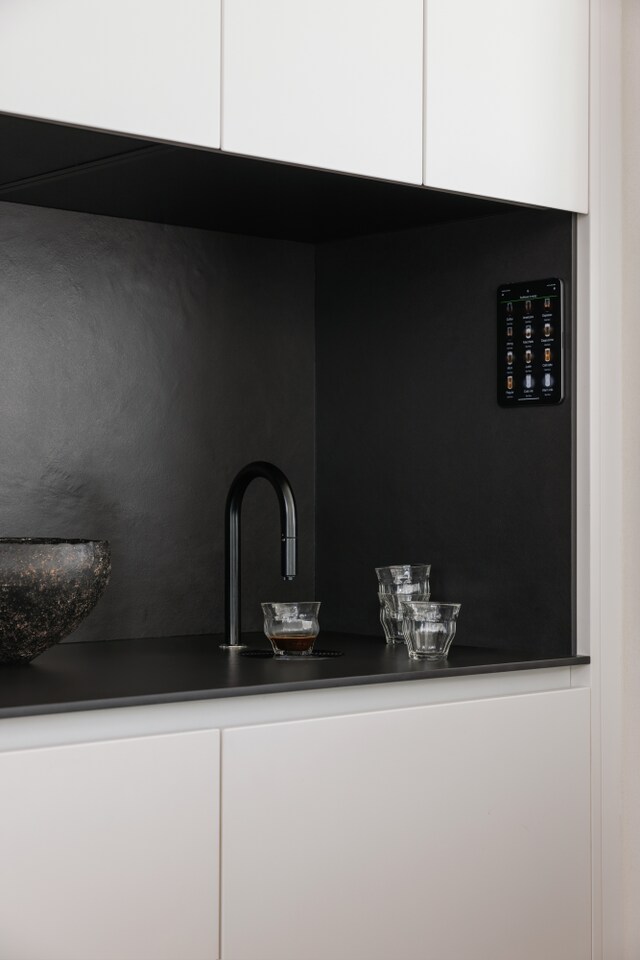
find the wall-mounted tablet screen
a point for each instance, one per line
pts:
(530, 343)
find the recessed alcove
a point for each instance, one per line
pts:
(170, 314)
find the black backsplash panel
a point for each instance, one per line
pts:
(141, 366)
(416, 460)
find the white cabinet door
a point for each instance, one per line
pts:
(145, 67)
(327, 83)
(448, 832)
(507, 98)
(110, 850)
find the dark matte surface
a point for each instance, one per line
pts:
(141, 367)
(417, 463)
(33, 148)
(74, 169)
(122, 673)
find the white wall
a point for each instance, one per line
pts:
(631, 473)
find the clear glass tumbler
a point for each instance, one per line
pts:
(429, 628)
(401, 581)
(291, 628)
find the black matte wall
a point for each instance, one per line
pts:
(416, 461)
(141, 367)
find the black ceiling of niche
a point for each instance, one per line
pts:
(69, 168)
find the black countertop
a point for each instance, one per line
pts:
(123, 673)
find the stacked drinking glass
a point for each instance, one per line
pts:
(408, 615)
(402, 581)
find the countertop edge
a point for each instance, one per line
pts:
(218, 693)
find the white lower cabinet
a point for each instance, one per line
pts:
(455, 831)
(109, 851)
(447, 832)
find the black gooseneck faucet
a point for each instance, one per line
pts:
(288, 538)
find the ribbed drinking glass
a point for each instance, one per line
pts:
(400, 581)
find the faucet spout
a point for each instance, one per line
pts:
(288, 539)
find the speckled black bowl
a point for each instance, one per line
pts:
(47, 588)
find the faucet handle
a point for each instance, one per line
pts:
(289, 557)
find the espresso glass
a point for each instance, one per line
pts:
(291, 628)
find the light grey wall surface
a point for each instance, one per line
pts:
(141, 367)
(630, 258)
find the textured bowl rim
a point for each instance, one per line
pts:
(53, 541)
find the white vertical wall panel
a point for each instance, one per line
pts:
(110, 850)
(145, 67)
(326, 83)
(507, 99)
(455, 832)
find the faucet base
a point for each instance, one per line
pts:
(233, 646)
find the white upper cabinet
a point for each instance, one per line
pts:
(150, 68)
(326, 83)
(497, 91)
(506, 99)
